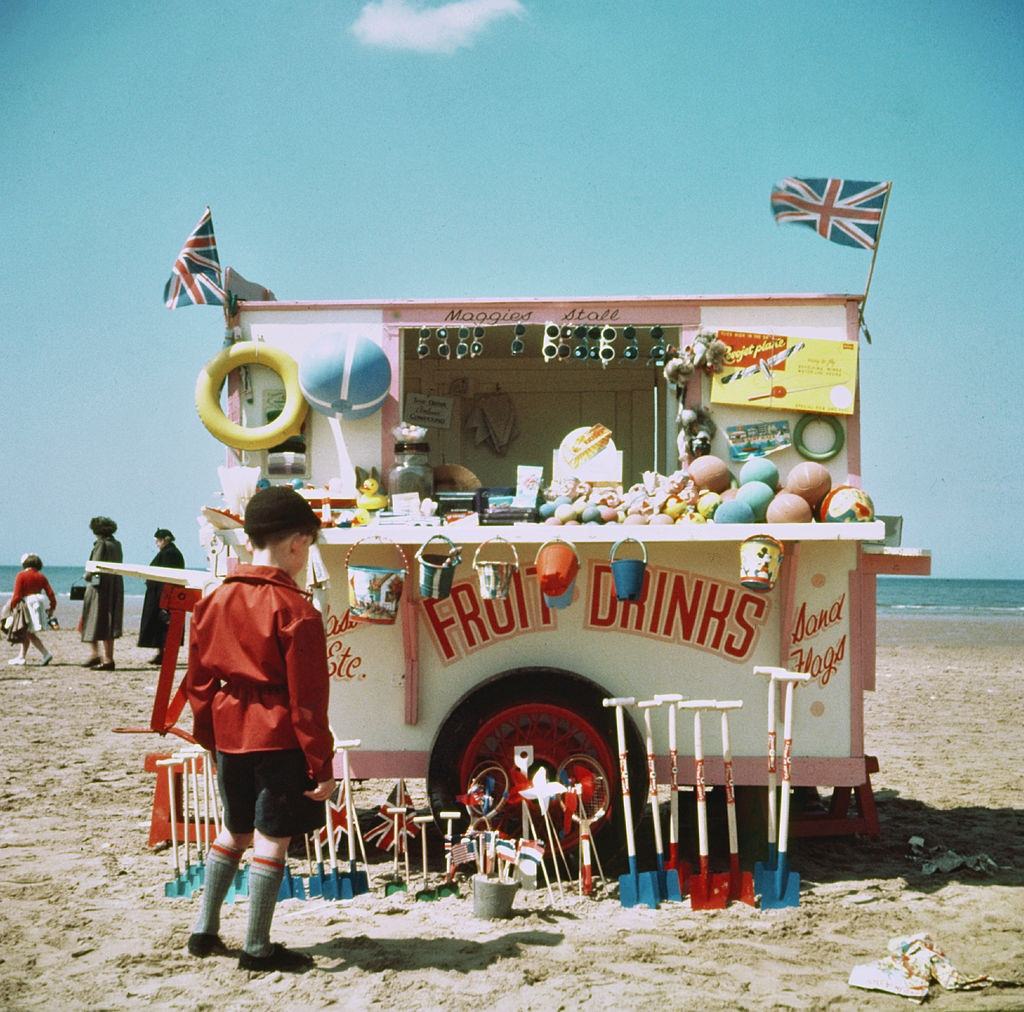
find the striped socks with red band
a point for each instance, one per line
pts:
(221, 865)
(265, 876)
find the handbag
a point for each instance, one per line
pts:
(77, 592)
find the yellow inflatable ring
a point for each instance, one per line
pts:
(260, 437)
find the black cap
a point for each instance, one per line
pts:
(163, 533)
(278, 510)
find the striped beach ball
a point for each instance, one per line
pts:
(345, 376)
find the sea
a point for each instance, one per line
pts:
(897, 595)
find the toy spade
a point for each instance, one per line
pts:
(773, 792)
(668, 885)
(707, 891)
(397, 883)
(780, 887)
(176, 886)
(634, 888)
(352, 882)
(741, 883)
(315, 878)
(424, 893)
(448, 887)
(291, 886)
(675, 861)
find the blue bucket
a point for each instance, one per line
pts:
(437, 571)
(562, 600)
(628, 574)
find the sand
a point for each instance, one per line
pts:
(84, 923)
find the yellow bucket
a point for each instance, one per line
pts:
(760, 561)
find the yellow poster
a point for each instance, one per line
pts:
(787, 373)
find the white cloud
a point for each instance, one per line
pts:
(406, 24)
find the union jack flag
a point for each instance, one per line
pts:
(195, 277)
(339, 818)
(383, 834)
(847, 211)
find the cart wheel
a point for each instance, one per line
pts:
(572, 735)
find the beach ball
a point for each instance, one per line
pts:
(734, 511)
(757, 495)
(345, 376)
(847, 505)
(710, 473)
(760, 469)
(809, 480)
(707, 504)
(788, 508)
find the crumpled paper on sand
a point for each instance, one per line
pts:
(948, 860)
(912, 964)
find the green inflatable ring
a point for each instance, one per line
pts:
(801, 447)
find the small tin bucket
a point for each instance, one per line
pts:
(628, 574)
(557, 564)
(374, 591)
(492, 898)
(495, 577)
(760, 562)
(437, 570)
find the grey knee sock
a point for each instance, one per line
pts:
(221, 865)
(265, 877)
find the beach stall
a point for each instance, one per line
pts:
(532, 505)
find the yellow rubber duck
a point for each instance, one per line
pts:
(371, 498)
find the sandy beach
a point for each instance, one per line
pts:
(85, 923)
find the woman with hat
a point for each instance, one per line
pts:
(103, 606)
(153, 626)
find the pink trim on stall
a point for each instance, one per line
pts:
(410, 642)
(862, 656)
(787, 601)
(853, 421)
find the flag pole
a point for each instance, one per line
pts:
(874, 255)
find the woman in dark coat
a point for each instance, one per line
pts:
(153, 627)
(103, 606)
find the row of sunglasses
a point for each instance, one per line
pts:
(595, 344)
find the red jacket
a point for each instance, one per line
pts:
(257, 669)
(31, 581)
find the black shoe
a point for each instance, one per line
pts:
(202, 944)
(279, 958)
(92, 662)
(105, 666)
(158, 659)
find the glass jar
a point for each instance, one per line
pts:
(411, 471)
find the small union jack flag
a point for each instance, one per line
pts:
(847, 211)
(195, 277)
(339, 818)
(383, 834)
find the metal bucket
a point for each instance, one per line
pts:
(437, 571)
(628, 574)
(492, 899)
(495, 577)
(557, 564)
(375, 591)
(760, 561)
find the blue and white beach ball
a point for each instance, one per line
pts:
(345, 376)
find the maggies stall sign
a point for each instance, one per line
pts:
(676, 607)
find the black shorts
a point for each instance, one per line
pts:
(264, 791)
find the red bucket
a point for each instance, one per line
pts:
(557, 564)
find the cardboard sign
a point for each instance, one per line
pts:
(787, 373)
(430, 410)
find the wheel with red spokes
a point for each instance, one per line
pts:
(557, 714)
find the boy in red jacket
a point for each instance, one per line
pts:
(257, 683)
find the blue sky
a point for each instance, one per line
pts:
(499, 147)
